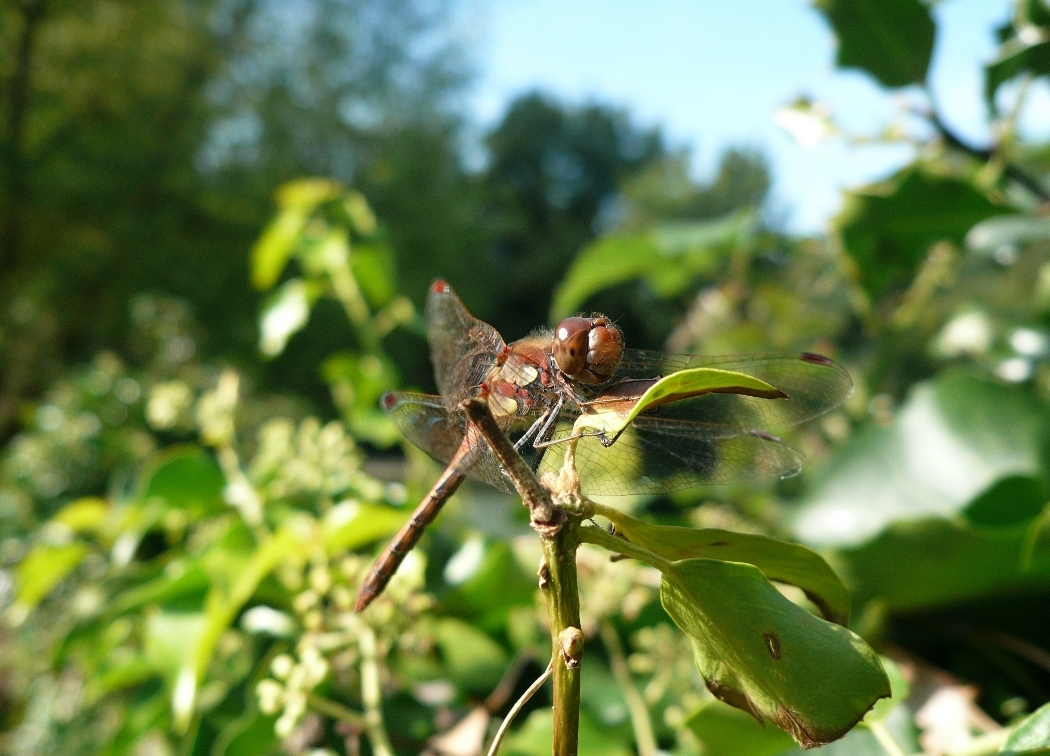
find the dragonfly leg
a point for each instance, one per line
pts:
(601, 437)
(540, 432)
(550, 419)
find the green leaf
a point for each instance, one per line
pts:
(232, 588)
(275, 246)
(169, 638)
(669, 258)
(618, 405)
(601, 265)
(357, 381)
(350, 525)
(178, 581)
(284, 314)
(957, 564)
(307, 194)
(888, 229)
(374, 270)
(85, 515)
(472, 660)
(498, 585)
(951, 440)
(899, 692)
(39, 572)
(726, 731)
(890, 39)
(1012, 500)
(1015, 57)
(763, 654)
(186, 477)
(784, 562)
(1032, 735)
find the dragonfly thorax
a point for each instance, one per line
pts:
(520, 380)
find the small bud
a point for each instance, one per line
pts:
(571, 641)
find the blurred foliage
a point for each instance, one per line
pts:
(181, 536)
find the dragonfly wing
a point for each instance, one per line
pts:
(657, 456)
(462, 348)
(423, 420)
(813, 384)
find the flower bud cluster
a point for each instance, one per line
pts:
(327, 652)
(312, 461)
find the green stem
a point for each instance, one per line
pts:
(353, 301)
(987, 744)
(496, 741)
(559, 583)
(640, 722)
(335, 710)
(886, 740)
(599, 537)
(371, 693)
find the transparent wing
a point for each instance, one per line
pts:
(655, 455)
(813, 384)
(424, 421)
(462, 348)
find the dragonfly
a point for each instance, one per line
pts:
(538, 386)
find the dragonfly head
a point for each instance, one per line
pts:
(588, 350)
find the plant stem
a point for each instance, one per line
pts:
(886, 740)
(558, 581)
(371, 693)
(335, 710)
(557, 576)
(533, 495)
(496, 741)
(987, 744)
(353, 301)
(640, 722)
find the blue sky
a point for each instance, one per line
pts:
(713, 73)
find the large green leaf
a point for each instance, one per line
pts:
(613, 410)
(668, 258)
(778, 560)
(951, 440)
(39, 572)
(1032, 735)
(914, 566)
(888, 229)
(890, 39)
(472, 659)
(186, 477)
(763, 654)
(278, 241)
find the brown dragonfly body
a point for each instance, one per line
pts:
(537, 386)
(515, 387)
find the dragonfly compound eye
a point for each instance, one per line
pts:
(587, 349)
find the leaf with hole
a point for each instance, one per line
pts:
(758, 651)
